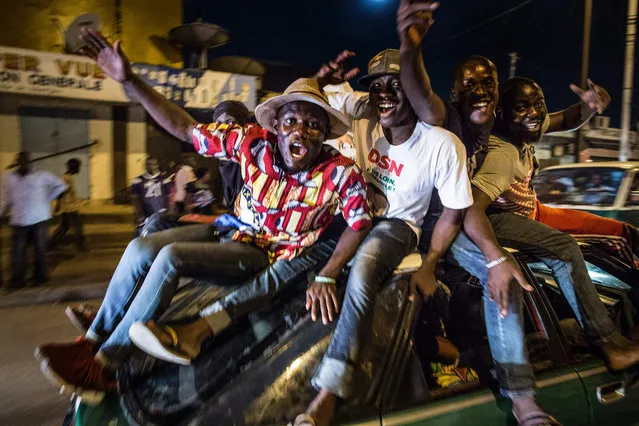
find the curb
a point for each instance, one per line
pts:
(51, 295)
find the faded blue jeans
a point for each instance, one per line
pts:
(505, 335)
(148, 274)
(382, 251)
(561, 253)
(256, 292)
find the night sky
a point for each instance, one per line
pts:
(546, 34)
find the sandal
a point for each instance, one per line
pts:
(146, 338)
(537, 418)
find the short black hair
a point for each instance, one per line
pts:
(514, 84)
(474, 58)
(74, 163)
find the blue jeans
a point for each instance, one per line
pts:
(381, 252)
(256, 292)
(505, 335)
(148, 274)
(561, 253)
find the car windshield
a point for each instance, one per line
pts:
(579, 185)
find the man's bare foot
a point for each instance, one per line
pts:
(189, 336)
(322, 408)
(529, 413)
(621, 353)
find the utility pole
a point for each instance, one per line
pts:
(585, 59)
(513, 64)
(626, 102)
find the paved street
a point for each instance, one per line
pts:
(26, 398)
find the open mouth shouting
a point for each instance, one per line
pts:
(386, 107)
(297, 150)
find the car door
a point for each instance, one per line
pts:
(473, 402)
(613, 397)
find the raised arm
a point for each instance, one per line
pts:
(333, 78)
(116, 65)
(593, 101)
(413, 22)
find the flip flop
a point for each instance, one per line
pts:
(145, 338)
(537, 418)
(303, 420)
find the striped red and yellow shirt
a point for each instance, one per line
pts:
(285, 212)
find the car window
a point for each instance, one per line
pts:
(633, 194)
(579, 186)
(452, 343)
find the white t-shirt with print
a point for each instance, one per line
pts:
(401, 178)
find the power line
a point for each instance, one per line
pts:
(481, 24)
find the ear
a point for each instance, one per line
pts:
(274, 123)
(499, 113)
(453, 95)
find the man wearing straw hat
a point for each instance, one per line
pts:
(293, 185)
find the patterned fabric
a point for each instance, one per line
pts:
(285, 212)
(617, 246)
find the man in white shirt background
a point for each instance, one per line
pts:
(27, 194)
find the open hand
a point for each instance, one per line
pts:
(109, 57)
(423, 280)
(322, 297)
(499, 279)
(596, 97)
(335, 71)
(413, 21)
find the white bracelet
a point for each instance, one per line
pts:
(496, 262)
(325, 280)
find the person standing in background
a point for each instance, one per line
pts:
(28, 193)
(231, 112)
(202, 198)
(150, 192)
(183, 177)
(68, 207)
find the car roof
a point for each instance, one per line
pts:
(626, 165)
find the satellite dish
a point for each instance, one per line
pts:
(237, 65)
(168, 49)
(200, 37)
(72, 40)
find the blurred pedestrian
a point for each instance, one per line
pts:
(150, 192)
(68, 207)
(27, 194)
(202, 198)
(183, 177)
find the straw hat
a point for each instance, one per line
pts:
(303, 89)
